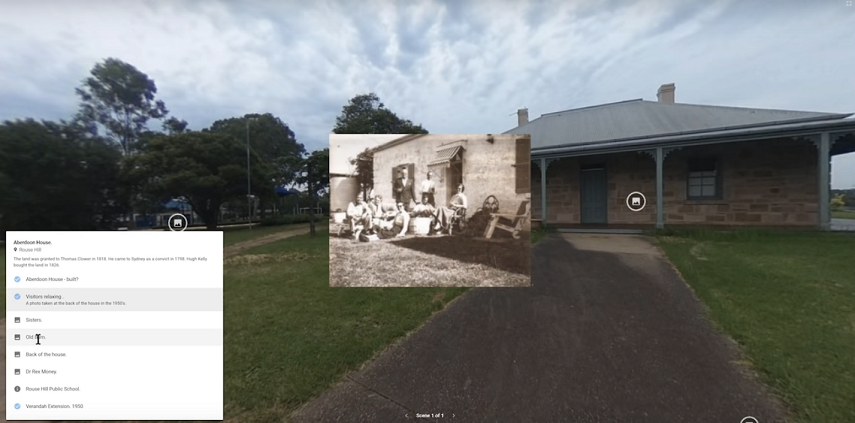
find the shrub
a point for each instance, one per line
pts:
(838, 202)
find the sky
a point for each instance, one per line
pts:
(452, 66)
(344, 148)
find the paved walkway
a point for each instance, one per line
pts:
(843, 224)
(607, 333)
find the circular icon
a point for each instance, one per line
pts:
(177, 222)
(17, 389)
(636, 201)
(17, 278)
(17, 296)
(17, 406)
(748, 419)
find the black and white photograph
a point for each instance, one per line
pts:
(428, 210)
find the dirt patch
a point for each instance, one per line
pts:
(235, 249)
(508, 255)
(264, 258)
(388, 263)
(697, 251)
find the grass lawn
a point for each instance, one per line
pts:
(842, 214)
(239, 234)
(788, 299)
(540, 233)
(289, 336)
(430, 261)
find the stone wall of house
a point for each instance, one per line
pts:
(562, 191)
(770, 182)
(488, 168)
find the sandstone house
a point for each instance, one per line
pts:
(695, 164)
(497, 166)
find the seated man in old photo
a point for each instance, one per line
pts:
(382, 212)
(397, 226)
(444, 215)
(359, 215)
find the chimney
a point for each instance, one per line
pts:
(522, 116)
(666, 93)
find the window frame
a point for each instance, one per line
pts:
(719, 189)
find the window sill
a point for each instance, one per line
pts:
(710, 202)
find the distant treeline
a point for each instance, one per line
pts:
(848, 195)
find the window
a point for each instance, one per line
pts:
(704, 181)
(523, 166)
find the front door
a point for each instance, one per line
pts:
(594, 195)
(454, 177)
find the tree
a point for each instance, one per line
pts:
(319, 161)
(174, 126)
(315, 174)
(366, 114)
(121, 99)
(207, 169)
(274, 144)
(56, 177)
(364, 163)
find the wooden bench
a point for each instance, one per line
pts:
(517, 221)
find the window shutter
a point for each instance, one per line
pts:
(523, 165)
(395, 170)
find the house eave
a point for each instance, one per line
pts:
(718, 136)
(396, 141)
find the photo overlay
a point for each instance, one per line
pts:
(430, 210)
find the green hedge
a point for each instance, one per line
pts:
(288, 219)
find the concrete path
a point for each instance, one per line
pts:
(607, 333)
(227, 252)
(843, 224)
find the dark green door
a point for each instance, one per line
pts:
(594, 195)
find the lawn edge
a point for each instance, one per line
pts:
(345, 377)
(744, 363)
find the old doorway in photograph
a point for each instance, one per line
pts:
(454, 178)
(448, 165)
(593, 192)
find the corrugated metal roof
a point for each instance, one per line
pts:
(797, 129)
(638, 119)
(445, 155)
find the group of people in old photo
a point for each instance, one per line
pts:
(374, 217)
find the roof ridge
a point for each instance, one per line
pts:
(740, 108)
(593, 107)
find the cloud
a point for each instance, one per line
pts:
(455, 67)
